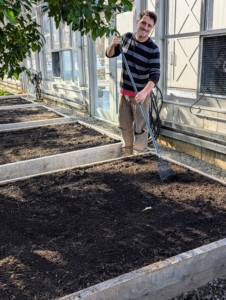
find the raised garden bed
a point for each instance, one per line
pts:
(26, 114)
(13, 101)
(48, 140)
(66, 231)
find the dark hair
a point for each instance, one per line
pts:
(150, 14)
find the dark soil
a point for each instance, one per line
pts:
(48, 140)
(26, 114)
(13, 101)
(63, 232)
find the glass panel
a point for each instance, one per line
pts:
(151, 6)
(216, 14)
(74, 41)
(47, 48)
(102, 74)
(56, 64)
(28, 62)
(33, 61)
(34, 11)
(65, 33)
(67, 67)
(86, 73)
(183, 67)
(75, 64)
(184, 16)
(48, 58)
(46, 25)
(56, 36)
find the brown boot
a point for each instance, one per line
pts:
(126, 152)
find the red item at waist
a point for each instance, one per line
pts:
(127, 93)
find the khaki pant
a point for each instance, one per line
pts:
(132, 124)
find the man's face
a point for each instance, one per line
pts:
(144, 28)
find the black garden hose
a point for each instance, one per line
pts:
(154, 113)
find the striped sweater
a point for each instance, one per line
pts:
(143, 60)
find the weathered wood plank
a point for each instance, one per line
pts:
(32, 124)
(162, 280)
(47, 164)
(15, 106)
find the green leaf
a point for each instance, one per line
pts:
(28, 8)
(94, 36)
(16, 74)
(93, 24)
(125, 8)
(108, 15)
(53, 2)
(97, 32)
(107, 32)
(1, 17)
(102, 31)
(9, 14)
(87, 12)
(97, 16)
(11, 72)
(128, 3)
(57, 23)
(29, 3)
(110, 2)
(45, 9)
(17, 8)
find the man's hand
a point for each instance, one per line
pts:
(116, 40)
(111, 48)
(140, 97)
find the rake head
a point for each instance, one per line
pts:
(164, 170)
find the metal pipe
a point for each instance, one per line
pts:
(195, 106)
(210, 117)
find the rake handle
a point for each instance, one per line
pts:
(141, 105)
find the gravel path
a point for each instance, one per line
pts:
(216, 289)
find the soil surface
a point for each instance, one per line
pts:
(13, 101)
(66, 231)
(48, 140)
(26, 114)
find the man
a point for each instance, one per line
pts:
(143, 58)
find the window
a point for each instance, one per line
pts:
(67, 65)
(75, 65)
(183, 66)
(184, 16)
(216, 14)
(55, 36)
(60, 51)
(56, 64)
(65, 36)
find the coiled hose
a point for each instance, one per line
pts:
(154, 113)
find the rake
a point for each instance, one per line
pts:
(164, 169)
